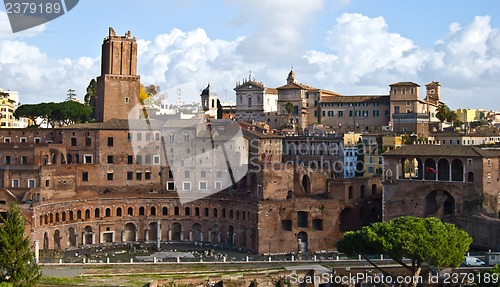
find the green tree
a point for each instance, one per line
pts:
(90, 97)
(443, 112)
(17, 259)
(152, 90)
(289, 108)
(56, 114)
(417, 239)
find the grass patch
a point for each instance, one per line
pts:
(61, 281)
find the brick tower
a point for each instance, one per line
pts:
(118, 84)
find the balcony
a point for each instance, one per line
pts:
(410, 117)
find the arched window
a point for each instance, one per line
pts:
(130, 211)
(164, 210)
(153, 210)
(141, 210)
(108, 212)
(119, 211)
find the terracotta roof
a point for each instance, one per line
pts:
(442, 150)
(291, 86)
(350, 99)
(405, 84)
(119, 124)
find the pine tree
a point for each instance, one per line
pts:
(17, 259)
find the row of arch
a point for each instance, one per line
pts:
(442, 170)
(362, 191)
(64, 216)
(73, 236)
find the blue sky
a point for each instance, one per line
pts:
(351, 47)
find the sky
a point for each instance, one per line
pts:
(352, 47)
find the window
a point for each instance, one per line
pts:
(187, 211)
(23, 139)
(489, 162)
(317, 224)
(73, 141)
(138, 175)
(340, 113)
(170, 185)
(469, 161)
(186, 137)
(302, 218)
(110, 159)
(157, 136)
(206, 211)
(147, 175)
(202, 185)
(156, 159)
(489, 177)
(186, 186)
(88, 141)
(203, 173)
(130, 211)
(142, 210)
(37, 140)
(110, 141)
(85, 176)
(130, 175)
(129, 137)
(330, 113)
(171, 137)
(110, 176)
(130, 159)
(375, 113)
(186, 174)
(197, 211)
(15, 183)
(138, 159)
(164, 211)
(139, 136)
(219, 173)
(218, 185)
(176, 210)
(24, 159)
(31, 183)
(87, 158)
(127, 100)
(147, 159)
(350, 113)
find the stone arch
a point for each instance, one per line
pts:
(443, 170)
(197, 233)
(230, 235)
(302, 242)
(176, 231)
(45, 240)
(470, 176)
(88, 235)
(130, 232)
(243, 236)
(152, 231)
(457, 170)
(347, 220)
(439, 203)
(289, 194)
(215, 234)
(306, 184)
(57, 239)
(72, 237)
(430, 169)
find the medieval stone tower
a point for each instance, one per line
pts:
(118, 85)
